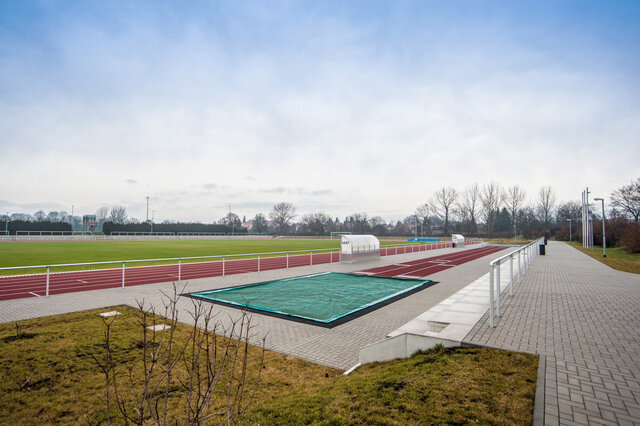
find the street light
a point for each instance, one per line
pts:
(570, 236)
(604, 238)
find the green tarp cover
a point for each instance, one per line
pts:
(322, 297)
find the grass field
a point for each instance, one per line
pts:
(47, 375)
(616, 258)
(24, 253)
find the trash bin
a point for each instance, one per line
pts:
(545, 240)
(541, 248)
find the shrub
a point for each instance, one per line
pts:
(630, 241)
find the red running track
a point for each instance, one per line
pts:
(16, 287)
(424, 267)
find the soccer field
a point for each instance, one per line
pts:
(24, 253)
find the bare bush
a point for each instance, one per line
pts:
(182, 380)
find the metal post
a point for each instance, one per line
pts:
(258, 263)
(310, 258)
(604, 237)
(498, 289)
(287, 260)
(519, 252)
(47, 289)
(491, 295)
(223, 266)
(330, 256)
(511, 275)
(179, 270)
(123, 274)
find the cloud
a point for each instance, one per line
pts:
(131, 181)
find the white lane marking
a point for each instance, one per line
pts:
(35, 294)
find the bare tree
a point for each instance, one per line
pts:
(546, 202)
(422, 213)
(490, 199)
(40, 216)
(378, 225)
(627, 198)
(468, 206)
(514, 199)
(259, 223)
(282, 214)
(316, 223)
(102, 213)
(442, 204)
(118, 214)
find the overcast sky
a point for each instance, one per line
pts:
(340, 107)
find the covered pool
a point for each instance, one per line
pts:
(322, 298)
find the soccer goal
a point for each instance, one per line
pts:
(339, 234)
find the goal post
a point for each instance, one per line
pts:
(339, 234)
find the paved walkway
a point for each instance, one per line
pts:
(336, 347)
(583, 318)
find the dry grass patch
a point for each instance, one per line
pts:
(48, 375)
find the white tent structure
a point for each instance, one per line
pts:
(357, 248)
(457, 240)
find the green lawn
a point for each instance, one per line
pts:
(48, 375)
(25, 253)
(616, 258)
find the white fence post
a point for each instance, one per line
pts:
(258, 263)
(223, 266)
(311, 258)
(519, 268)
(123, 274)
(498, 290)
(47, 289)
(491, 295)
(179, 270)
(511, 275)
(287, 260)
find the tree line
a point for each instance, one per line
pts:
(487, 210)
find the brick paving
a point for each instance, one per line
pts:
(583, 318)
(336, 347)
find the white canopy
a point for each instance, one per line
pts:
(457, 238)
(354, 244)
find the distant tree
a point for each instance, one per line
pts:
(627, 199)
(468, 205)
(316, 223)
(359, 223)
(442, 203)
(40, 216)
(569, 210)
(503, 222)
(25, 217)
(102, 213)
(490, 200)
(118, 214)
(282, 214)
(514, 199)
(546, 202)
(378, 225)
(422, 213)
(232, 221)
(259, 224)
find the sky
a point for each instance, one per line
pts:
(333, 106)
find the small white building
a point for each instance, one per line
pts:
(357, 248)
(457, 240)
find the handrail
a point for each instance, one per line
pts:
(526, 252)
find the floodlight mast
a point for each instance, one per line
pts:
(570, 236)
(604, 238)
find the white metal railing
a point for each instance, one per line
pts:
(390, 250)
(525, 256)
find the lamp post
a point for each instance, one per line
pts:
(570, 236)
(604, 238)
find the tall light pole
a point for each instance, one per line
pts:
(570, 236)
(6, 224)
(604, 238)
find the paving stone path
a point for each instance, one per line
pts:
(583, 318)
